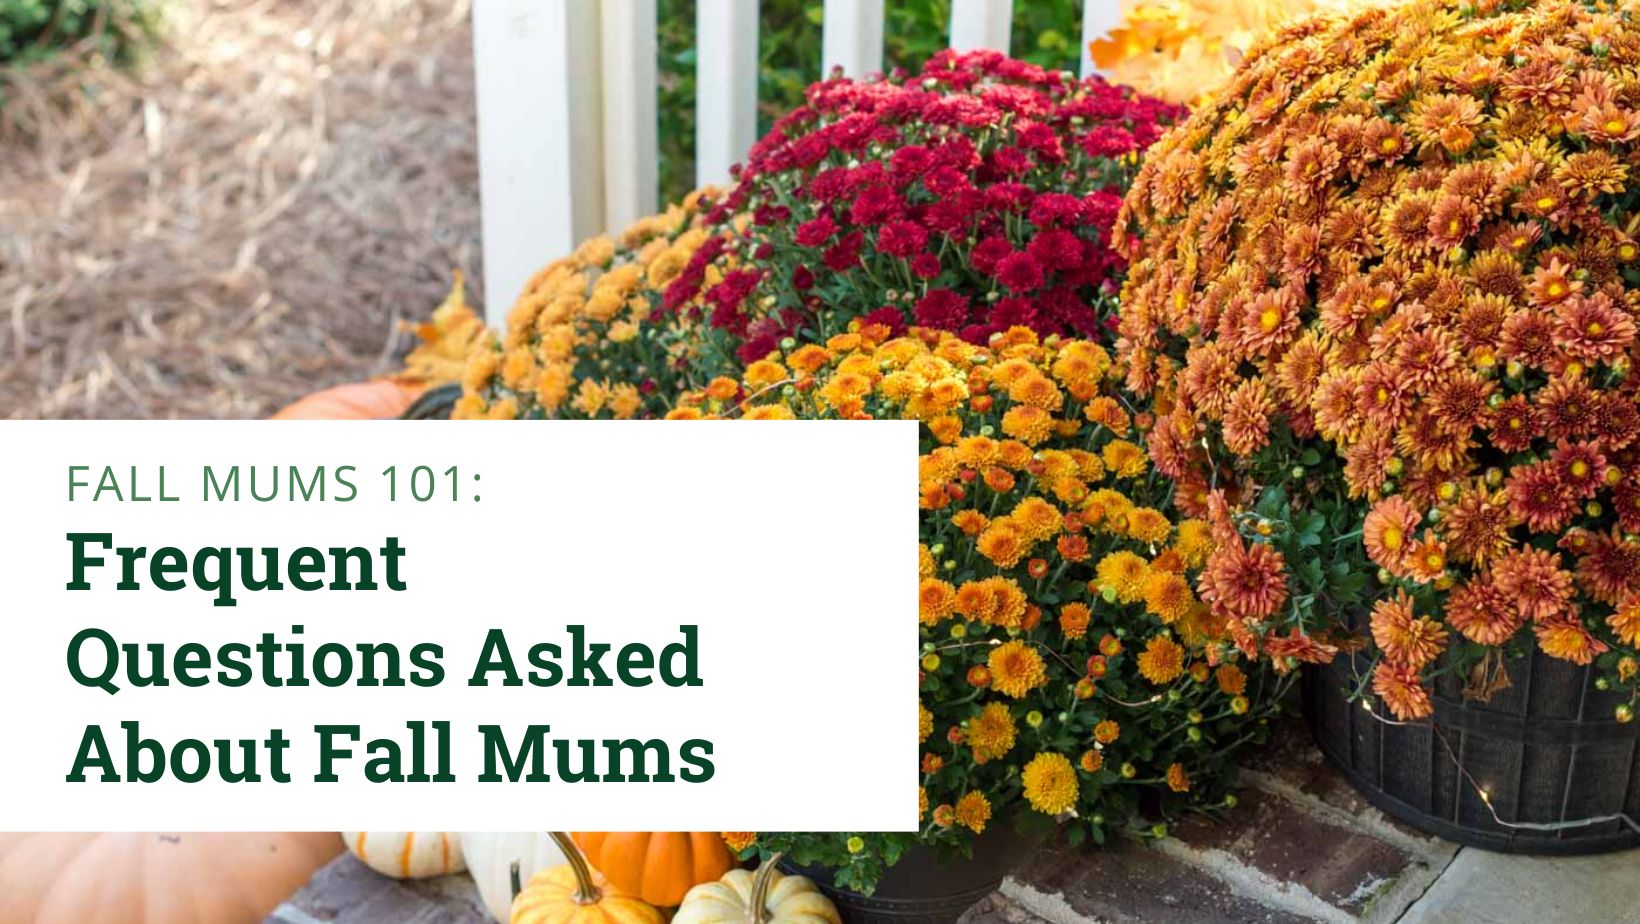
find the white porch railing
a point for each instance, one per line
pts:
(567, 113)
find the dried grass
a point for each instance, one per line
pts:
(244, 219)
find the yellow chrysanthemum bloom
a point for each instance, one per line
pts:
(925, 723)
(973, 810)
(1050, 782)
(990, 734)
(1124, 573)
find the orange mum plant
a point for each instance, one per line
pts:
(1182, 50)
(1067, 665)
(1388, 303)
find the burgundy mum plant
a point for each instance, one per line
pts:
(973, 197)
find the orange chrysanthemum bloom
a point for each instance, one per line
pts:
(1074, 619)
(1245, 581)
(1396, 243)
(1016, 669)
(740, 840)
(1401, 690)
(1407, 640)
(1162, 661)
(1389, 532)
(936, 599)
(1231, 680)
(1177, 779)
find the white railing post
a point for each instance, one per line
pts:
(852, 37)
(725, 86)
(1098, 17)
(981, 24)
(539, 139)
(631, 135)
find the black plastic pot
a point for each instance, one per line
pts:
(1547, 750)
(922, 890)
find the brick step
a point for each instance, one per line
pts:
(1301, 847)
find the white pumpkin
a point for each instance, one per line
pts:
(769, 897)
(490, 858)
(407, 854)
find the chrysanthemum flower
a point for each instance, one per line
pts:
(1389, 531)
(1533, 583)
(1074, 619)
(1050, 783)
(1401, 690)
(1162, 661)
(936, 599)
(1168, 596)
(1245, 580)
(1124, 573)
(991, 733)
(1016, 669)
(1568, 640)
(1231, 680)
(1177, 779)
(1479, 611)
(1406, 639)
(1106, 731)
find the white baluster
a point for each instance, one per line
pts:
(981, 24)
(1098, 18)
(631, 136)
(852, 37)
(725, 86)
(540, 170)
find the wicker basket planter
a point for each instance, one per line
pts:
(1547, 750)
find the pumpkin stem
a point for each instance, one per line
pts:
(757, 905)
(586, 891)
(517, 881)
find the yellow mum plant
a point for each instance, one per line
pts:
(1068, 668)
(585, 340)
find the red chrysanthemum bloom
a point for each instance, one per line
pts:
(1608, 570)
(1540, 498)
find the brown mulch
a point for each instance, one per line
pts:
(244, 218)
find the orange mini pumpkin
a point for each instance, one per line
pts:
(657, 866)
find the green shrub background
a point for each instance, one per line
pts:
(33, 29)
(1045, 32)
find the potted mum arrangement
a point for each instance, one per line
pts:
(1388, 296)
(976, 196)
(1068, 669)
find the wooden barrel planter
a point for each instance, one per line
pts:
(1547, 750)
(921, 888)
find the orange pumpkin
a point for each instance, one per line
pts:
(154, 878)
(657, 866)
(438, 358)
(376, 399)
